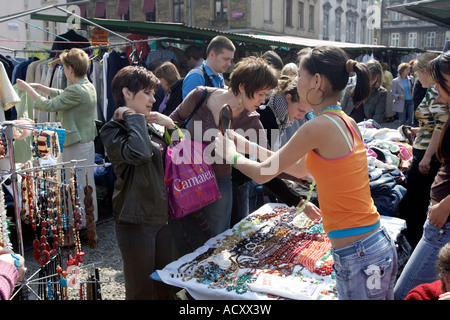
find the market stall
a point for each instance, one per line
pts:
(274, 253)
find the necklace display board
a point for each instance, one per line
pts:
(48, 200)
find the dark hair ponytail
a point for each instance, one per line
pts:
(334, 64)
(361, 91)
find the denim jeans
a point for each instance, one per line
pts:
(421, 266)
(414, 205)
(218, 213)
(408, 113)
(366, 269)
(240, 208)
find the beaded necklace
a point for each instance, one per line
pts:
(308, 197)
(5, 241)
(332, 107)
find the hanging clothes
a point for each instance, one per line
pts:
(142, 47)
(24, 108)
(116, 61)
(8, 64)
(8, 98)
(20, 70)
(75, 41)
(163, 55)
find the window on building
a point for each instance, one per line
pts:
(47, 29)
(431, 39)
(412, 40)
(311, 18)
(338, 18)
(350, 29)
(363, 30)
(353, 31)
(301, 15)
(395, 39)
(221, 9)
(347, 30)
(289, 12)
(55, 28)
(27, 31)
(338, 28)
(149, 9)
(325, 24)
(395, 16)
(268, 10)
(100, 10)
(178, 10)
(124, 9)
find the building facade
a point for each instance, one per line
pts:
(399, 30)
(25, 34)
(274, 17)
(352, 21)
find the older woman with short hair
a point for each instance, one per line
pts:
(402, 94)
(250, 82)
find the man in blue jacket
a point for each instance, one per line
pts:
(219, 55)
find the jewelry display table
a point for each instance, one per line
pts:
(274, 253)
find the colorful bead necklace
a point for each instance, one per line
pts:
(335, 108)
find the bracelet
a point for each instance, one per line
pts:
(253, 155)
(233, 161)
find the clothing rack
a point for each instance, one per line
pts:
(91, 47)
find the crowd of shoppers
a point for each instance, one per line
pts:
(264, 94)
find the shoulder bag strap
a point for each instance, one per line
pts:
(200, 102)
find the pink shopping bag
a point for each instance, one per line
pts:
(190, 180)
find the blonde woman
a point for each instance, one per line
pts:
(76, 108)
(402, 94)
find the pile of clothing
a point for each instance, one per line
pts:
(389, 155)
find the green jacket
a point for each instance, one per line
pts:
(75, 107)
(139, 190)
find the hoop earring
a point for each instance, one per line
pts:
(315, 104)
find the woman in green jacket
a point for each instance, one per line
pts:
(75, 106)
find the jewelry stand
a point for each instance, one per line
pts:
(12, 175)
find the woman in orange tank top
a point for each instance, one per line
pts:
(329, 147)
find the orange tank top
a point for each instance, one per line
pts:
(343, 188)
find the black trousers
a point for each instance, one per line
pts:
(414, 205)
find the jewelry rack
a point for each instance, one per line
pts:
(12, 174)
